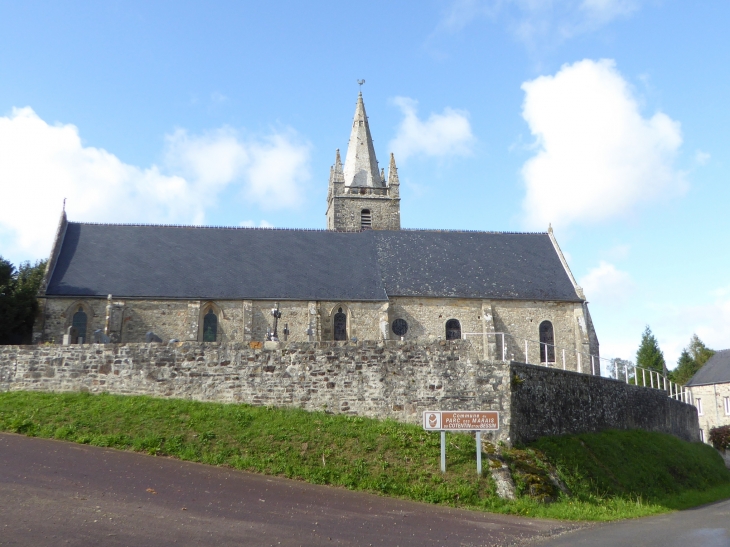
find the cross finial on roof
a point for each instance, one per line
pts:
(64, 204)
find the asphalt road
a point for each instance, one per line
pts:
(56, 493)
(707, 526)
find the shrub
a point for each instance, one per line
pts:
(720, 437)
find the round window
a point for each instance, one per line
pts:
(400, 327)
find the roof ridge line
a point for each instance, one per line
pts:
(285, 229)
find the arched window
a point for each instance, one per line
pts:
(79, 322)
(547, 342)
(366, 219)
(340, 325)
(453, 329)
(210, 326)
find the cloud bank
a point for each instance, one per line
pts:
(597, 155)
(41, 164)
(441, 135)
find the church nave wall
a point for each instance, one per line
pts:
(294, 313)
(168, 319)
(56, 315)
(365, 320)
(242, 321)
(522, 320)
(427, 317)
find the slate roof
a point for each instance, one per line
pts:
(715, 371)
(472, 265)
(244, 263)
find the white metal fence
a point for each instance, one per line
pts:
(552, 355)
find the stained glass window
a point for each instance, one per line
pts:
(340, 325)
(453, 329)
(79, 323)
(210, 326)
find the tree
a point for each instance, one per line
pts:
(18, 300)
(699, 351)
(7, 307)
(621, 369)
(649, 355)
(693, 357)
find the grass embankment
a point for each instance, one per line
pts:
(609, 475)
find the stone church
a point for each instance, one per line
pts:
(362, 279)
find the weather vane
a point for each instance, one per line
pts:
(360, 82)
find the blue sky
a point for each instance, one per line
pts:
(606, 118)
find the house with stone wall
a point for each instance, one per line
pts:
(510, 295)
(710, 389)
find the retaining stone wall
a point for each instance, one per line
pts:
(393, 379)
(555, 402)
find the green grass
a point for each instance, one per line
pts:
(610, 475)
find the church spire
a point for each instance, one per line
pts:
(361, 166)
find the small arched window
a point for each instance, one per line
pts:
(366, 219)
(210, 326)
(340, 325)
(547, 342)
(453, 329)
(79, 322)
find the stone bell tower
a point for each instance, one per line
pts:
(359, 197)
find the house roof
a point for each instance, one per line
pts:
(715, 371)
(144, 261)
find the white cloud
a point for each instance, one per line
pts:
(252, 224)
(710, 321)
(597, 155)
(539, 22)
(607, 286)
(218, 97)
(271, 169)
(618, 252)
(441, 135)
(702, 157)
(599, 12)
(41, 164)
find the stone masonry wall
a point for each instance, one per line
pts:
(714, 408)
(556, 402)
(393, 379)
(522, 320)
(242, 321)
(385, 212)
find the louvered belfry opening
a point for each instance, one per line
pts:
(366, 219)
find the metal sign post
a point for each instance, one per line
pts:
(443, 451)
(479, 453)
(443, 421)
